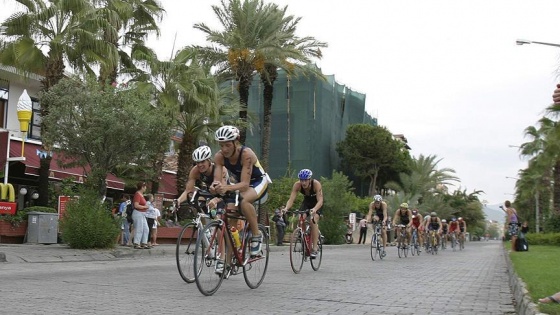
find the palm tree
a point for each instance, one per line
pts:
(185, 86)
(543, 152)
(127, 24)
(249, 35)
(291, 54)
(43, 39)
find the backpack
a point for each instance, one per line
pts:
(521, 244)
(128, 211)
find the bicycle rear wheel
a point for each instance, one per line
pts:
(461, 243)
(207, 279)
(185, 250)
(316, 262)
(254, 267)
(453, 242)
(297, 250)
(373, 246)
(400, 249)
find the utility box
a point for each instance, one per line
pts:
(42, 227)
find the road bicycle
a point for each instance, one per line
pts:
(462, 241)
(415, 242)
(377, 248)
(454, 241)
(235, 259)
(401, 245)
(443, 241)
(186, 242)
(301, 244)
(433, 249)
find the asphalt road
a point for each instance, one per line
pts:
(473, 281)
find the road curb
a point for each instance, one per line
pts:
(523, 303)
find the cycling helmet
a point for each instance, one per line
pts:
(305, 174)
(202, 153)
(227, 133)
(404, 205)
(415, 212)
(377, 198)
(433, 214)
(454, 219)
(443, 221)
(460, 219)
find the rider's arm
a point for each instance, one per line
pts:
(218, 170)
(370, 212)
(293, 195)
(385, 214)
(440, 225)
(319, 193)
(189, 188)
(409, 218)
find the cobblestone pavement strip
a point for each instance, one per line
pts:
(473, 281)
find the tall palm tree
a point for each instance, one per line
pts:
(46, 37)
(242, 47)
(543, 150)
(127, 24)
(291, 54)
(186, 87)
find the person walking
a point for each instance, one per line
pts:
(363, 231)
(512, 223)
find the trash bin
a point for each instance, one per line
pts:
(42, 227)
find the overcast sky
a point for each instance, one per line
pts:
(447, 74)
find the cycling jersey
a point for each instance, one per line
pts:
(204, 181)
(404, 217)
(434, 224)
(310, 199)
(462, 226)
(416, 221)
(379, 211)
(444, 227)
(453, 226)
(257, 173)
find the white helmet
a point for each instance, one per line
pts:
(202, 153)
(377, 198)
(227, 133)
(443, 221)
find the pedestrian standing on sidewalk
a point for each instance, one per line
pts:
(280, 219)
(363, 231)
(139, 217)
(512, 223)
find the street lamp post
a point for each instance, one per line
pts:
(524, 41)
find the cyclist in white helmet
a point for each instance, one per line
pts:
(378, 208)
(202, 175)
(248, 176)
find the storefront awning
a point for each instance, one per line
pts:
(168, 185)
(32, 164)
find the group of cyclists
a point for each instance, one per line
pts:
(236, 168)
(410, 220)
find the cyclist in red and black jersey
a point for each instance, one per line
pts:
(454, 228)
(418, 224)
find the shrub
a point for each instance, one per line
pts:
(543, 238)
(552, 224)
(338, 199)
(86, 223)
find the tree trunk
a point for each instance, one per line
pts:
(268, 95)
(184, 160)
(44, 170)
(244, 84)
(556, 190)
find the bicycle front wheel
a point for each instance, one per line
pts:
(373, 246)
(316, 262)
(400, 249)
(413, 243)
(185, 250)
(297, 250)
(209, 276)
(254, 267)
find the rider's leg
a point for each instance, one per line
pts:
(315, 231)
(248, 210)
(384, 236)
(408, 235)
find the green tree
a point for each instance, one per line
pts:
(186, 87)
(44, 38)
(99, 129)
(368, 149)
(243, 46)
